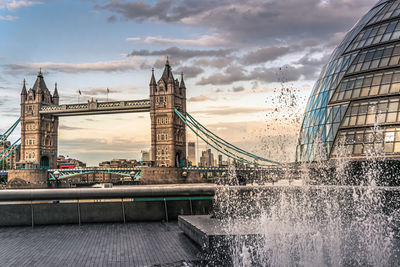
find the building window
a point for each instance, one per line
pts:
(162, 137)
(161, 100)
(368, 112)
(367, 141)
(162, 120)
(368, 85)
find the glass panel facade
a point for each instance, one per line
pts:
(357, 89)
(362, 86)
(377, 34)
(391, 10)
(376, 58)
(372, 112)
(365, 142)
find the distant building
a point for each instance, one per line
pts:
(104, 165)
(192, 154)
(68, 163)
(146, 158)
(221, 162)
(13, 158)
(119, 163)
(145, 155)
(207, 158)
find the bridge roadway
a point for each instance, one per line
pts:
(127, 171)
(189, 169)
(95, 108)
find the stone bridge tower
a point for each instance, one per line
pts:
(168, 132)
(39, 133)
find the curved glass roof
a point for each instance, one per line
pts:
(358, 89)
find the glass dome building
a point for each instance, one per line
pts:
(354, 105)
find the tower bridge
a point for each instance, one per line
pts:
(40, 112)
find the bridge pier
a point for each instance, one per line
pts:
(156, 175)
(27, 176)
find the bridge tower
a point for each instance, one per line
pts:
(39, 133)
(168, 132)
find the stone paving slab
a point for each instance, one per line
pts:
(134, 244)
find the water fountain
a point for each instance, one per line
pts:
(347, 210)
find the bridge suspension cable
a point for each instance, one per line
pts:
(229, 145)
(220, 144)
(213, 146)
(9, 131)
(7, 152)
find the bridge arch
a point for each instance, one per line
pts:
(44, 163)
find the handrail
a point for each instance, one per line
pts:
(107, 193)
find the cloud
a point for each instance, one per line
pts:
(306, 68)
(136, 9)
(265, 54)
(201, 98)
(8, 18)
(132, 39)
(205, 40)
(102, 66)
(219, 62)
(238, 89)
(102, 145)
(252, 21)
(190, 71)
(179, 53)
(112, 18)
(16, 4)
(230, 110)
(99, 91)
(69, 128)
(232, 74)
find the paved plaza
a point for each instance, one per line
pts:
(135, 244)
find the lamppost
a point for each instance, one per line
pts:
(133, 174)
(56, 174)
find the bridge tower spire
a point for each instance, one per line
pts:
(23, 92)
(39, 133)
(55, 95)
(168, 133)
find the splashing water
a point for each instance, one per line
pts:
(310, 225)
(326, 225)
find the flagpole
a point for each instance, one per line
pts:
(107, 93)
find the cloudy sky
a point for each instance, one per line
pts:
(244, 63)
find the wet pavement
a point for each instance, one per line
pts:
(133, 244)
